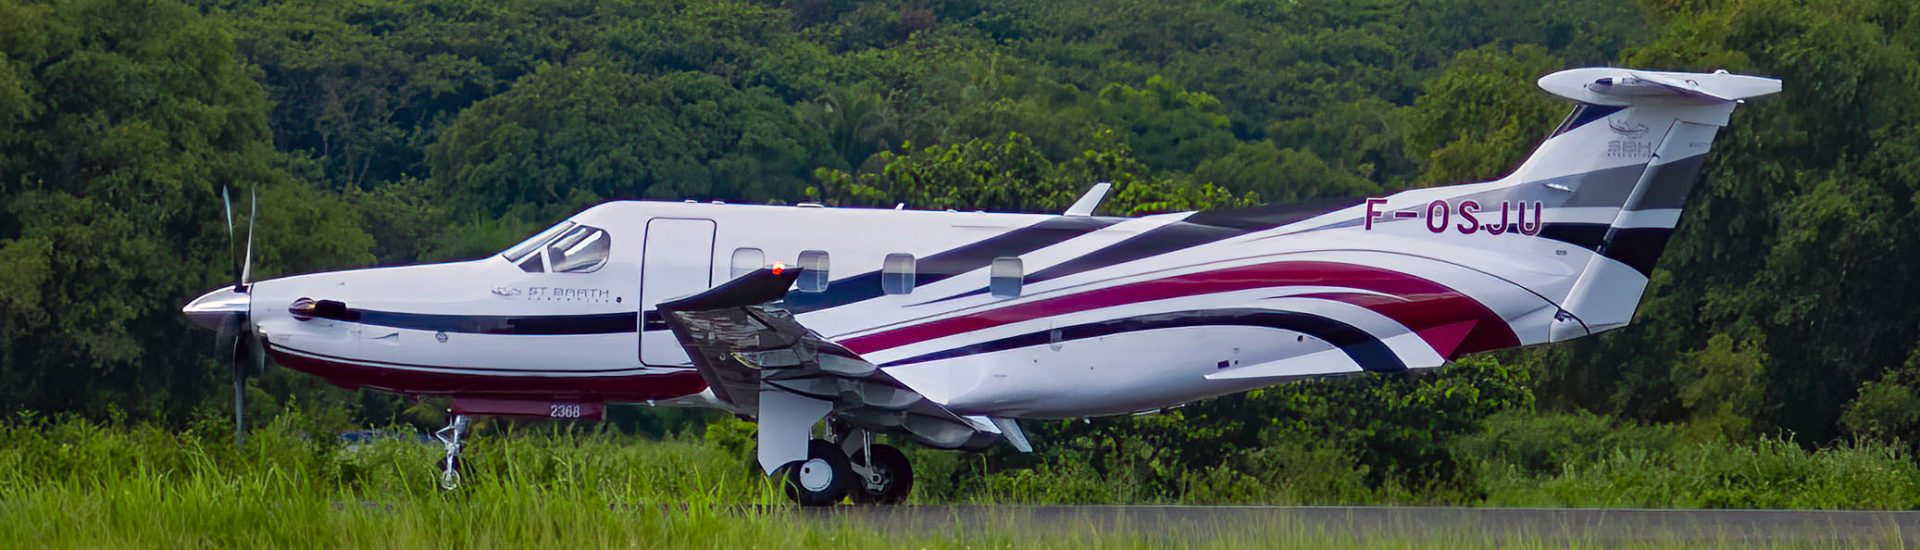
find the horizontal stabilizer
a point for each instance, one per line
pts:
(1607, 86)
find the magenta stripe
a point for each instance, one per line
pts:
(1419, 303)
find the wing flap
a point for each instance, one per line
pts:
(744, 345)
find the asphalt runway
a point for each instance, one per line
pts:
(1590, 526)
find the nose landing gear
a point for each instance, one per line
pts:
(450, 436)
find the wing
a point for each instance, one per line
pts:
(758, 358)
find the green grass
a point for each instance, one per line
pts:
(76, 484)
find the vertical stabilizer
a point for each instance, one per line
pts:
(1625, 162)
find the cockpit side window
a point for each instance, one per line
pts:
(533, 264)
(518, 251)
(582, 249)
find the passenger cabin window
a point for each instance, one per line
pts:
(1004, 278)
(896, 274)
(747, 260)
(582, 249)
(813, 274)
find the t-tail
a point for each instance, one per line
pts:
(1612, 179)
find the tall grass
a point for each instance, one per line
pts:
(1768, 474)
(80, 484)
(77, 484)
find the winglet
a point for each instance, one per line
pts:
(1089, 201)
(759, 287)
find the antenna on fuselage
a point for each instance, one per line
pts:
(1089, 201)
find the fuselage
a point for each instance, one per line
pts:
(1013, 315)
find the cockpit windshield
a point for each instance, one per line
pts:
(526, 247)
(581, 250)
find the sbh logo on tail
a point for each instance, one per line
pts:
(1631, 143)
(1627, 129)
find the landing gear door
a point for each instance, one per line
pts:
(678, 261)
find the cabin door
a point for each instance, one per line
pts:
(678, 262)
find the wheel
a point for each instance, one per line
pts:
(891, 480)
(820, 480)
(450, 473)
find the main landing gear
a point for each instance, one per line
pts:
(848, 466)
(885, 478)
(450, 436)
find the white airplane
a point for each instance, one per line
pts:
(948, 327)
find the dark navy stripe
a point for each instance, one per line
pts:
(1583, 235)
(1370, 353)
(546, 325)
(1584, 113)
(1153, 242)
(962, 259)
(1197, 229)
(1638, 247)
(372, 363)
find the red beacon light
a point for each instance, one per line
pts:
(779, 268)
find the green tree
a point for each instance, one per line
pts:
(118, 140)
(1171, 128)
(1012, 175)
(1721, 388)
(1003, 175)
(1281, 175)
(1478, 119)
(567, 137)
(1888, 409)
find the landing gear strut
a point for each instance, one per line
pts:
(450, 436)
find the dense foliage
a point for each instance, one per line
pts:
(391, 131)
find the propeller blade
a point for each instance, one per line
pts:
(226, 203)
(258, 350)
(246, 269)
(223, 340)
(227, 344)
(239, 403)
(257, 354)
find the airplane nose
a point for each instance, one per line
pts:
(210, 310)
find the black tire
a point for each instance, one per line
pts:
(804, 479)
(896, 477)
